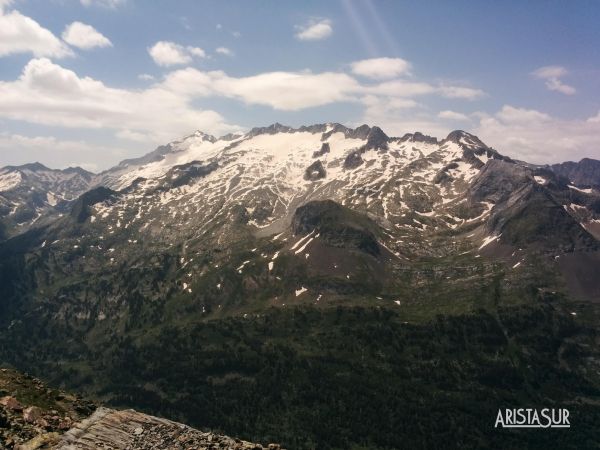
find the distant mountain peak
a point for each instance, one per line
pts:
(465, 139)
(419, 137)
(34, 167)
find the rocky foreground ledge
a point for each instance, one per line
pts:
(131, 430)
(33, 416)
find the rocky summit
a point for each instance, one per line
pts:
(292, 284)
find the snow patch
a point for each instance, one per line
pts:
(488, 240)
(301, 291)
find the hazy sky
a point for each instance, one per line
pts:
(91, 82)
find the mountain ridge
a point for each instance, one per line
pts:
(225, 277)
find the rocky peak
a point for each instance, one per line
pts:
(585, 173)
(79, 171)
(418, 137)
(377, 139)
(33, 167)
(497, 181)
(271, 129)
(81, 208)
(361, 132)
(203, 136)
(465, 139)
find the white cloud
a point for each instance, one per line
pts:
(521, 116)
(196, 51)
(595, 119)
(168, 53)
(146, 77)
(224, 51)
(288, 91)
(49, 94)
(550, 72)
(22, 34)
(537, 137)
(4, 4)
(552, 77)
(460, 92)
(381, 68)
(84, 36)
(165, 53)
(314, 30)
(401, 88)
(112, 4)
(135, 136)
(453, 115)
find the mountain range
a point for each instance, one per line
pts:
(210, 268)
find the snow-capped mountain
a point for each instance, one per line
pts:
(31, 191)
(278, 197)
(411, 186)
(191, 259)
(419, 190)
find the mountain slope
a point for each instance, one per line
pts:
(224, 266)
(31, 192)
(585, 173)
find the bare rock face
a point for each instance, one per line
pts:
(132, 430)
(315, 171)
(353, 160)
(325, 148)
(585, 172)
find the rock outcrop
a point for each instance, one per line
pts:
(133, 430)
(33, 416)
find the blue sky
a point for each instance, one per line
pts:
(91, 82)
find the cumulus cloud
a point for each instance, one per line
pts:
(291, 91)
(165, 53)
(49, 94)
(521, 116)
(537, 137)
(84, 36)
(552, 77)
(288, 91)
(401, 88)
(196, 51)
(314, 30)
(381, 68)
(224, 51)
(453, 115)
(22, 34)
